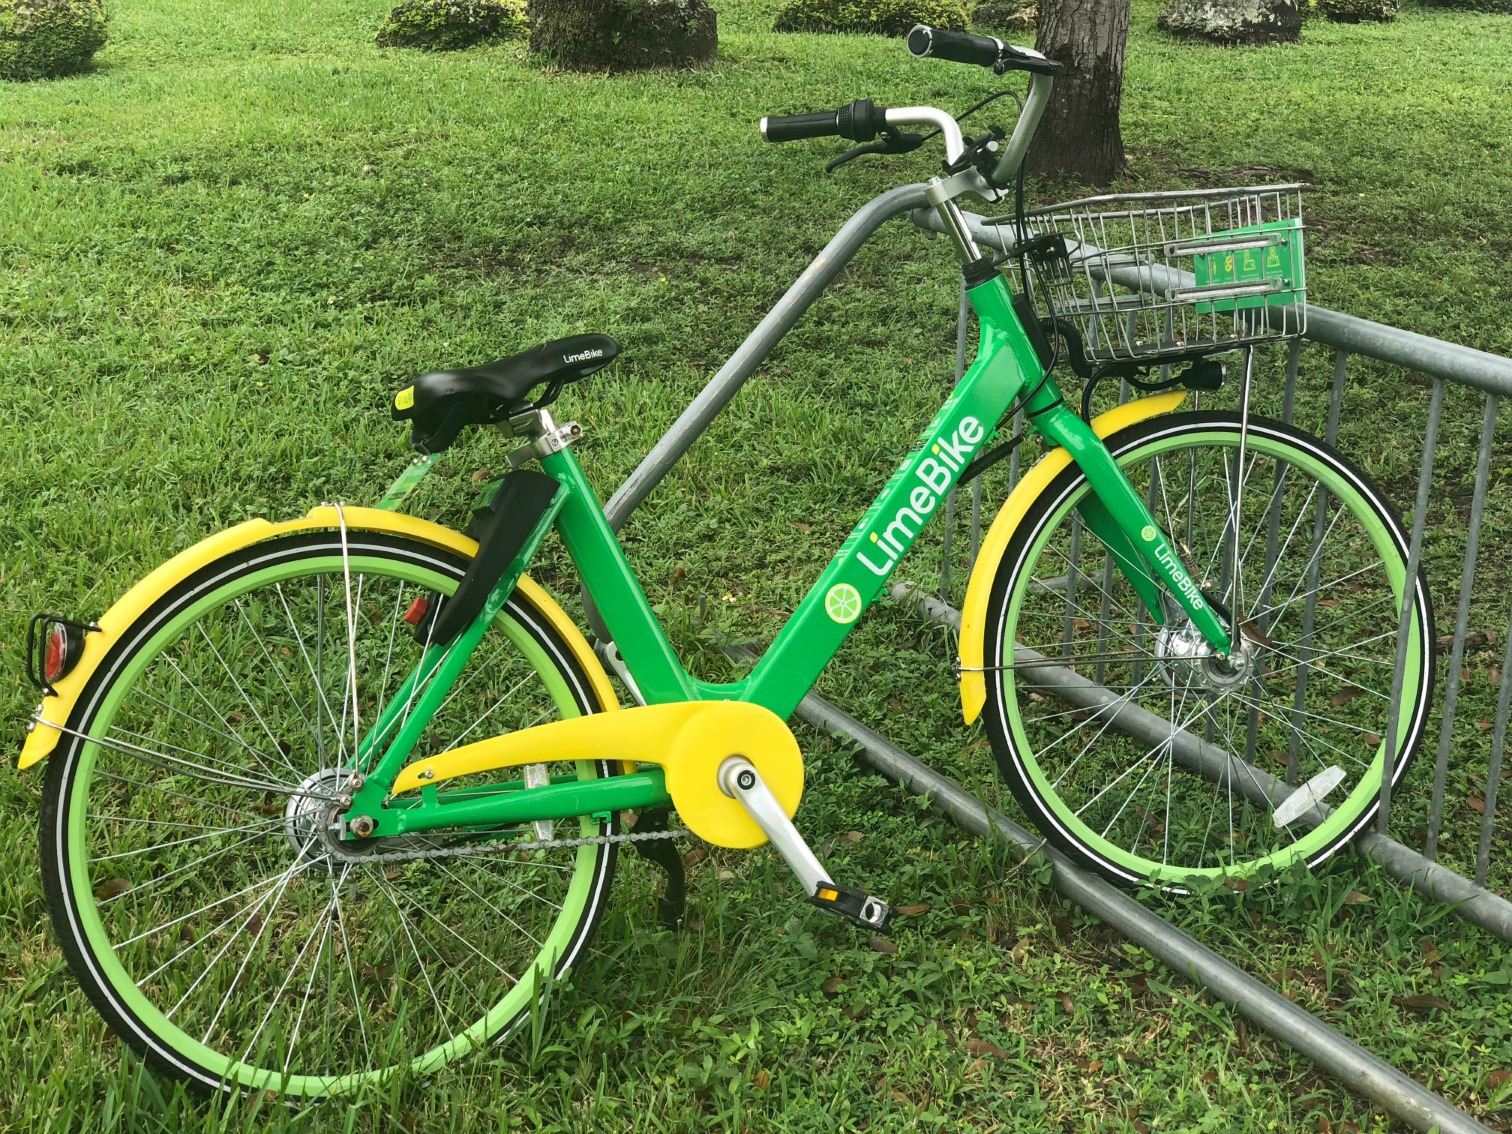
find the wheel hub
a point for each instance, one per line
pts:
(308, 815)
(1189, 664)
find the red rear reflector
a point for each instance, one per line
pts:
(415, 613)
(55, 662)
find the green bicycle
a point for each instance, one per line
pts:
(341, 796)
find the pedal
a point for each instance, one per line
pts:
(855, 906)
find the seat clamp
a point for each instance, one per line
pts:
(546, 437)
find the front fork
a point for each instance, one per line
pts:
(1115, 513)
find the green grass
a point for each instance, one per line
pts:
(224, 249)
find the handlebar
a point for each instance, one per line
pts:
(863, 120)
(980, 50)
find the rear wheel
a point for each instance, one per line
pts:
(183, 851)
(1138, 752)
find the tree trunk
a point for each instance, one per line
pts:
(624, 35)
(1079, 134)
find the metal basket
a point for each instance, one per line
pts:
(1151, 276)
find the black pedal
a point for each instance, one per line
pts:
(855, 906)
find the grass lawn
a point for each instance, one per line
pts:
(223, 250)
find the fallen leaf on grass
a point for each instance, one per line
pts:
(832, 986)
(985, 1047)
(694, 856)
(1355, 898)
(1424, 1002)
(882, 945)
(1496, 1080)
(761, 1078)
(1372, 738)
(111, 888)
(1066, 1005)
(1430, 950)
(1346, 695)
(913, 910)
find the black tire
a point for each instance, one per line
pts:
(321, 975)
(1132, 801)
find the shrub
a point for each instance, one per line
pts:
(883, 17)
(41, 39)
(1005, 15)
(1233, 21)
(1500, 7)
(1355, 11)
(447, 25)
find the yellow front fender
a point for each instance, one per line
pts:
(1035, 481)
(54, 712)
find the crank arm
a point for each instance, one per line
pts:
(740, 780)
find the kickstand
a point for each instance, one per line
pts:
(672, 904)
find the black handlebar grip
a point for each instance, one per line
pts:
(958, 47)
(791, 127)
(980, 50)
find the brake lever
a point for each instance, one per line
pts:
(889, 141)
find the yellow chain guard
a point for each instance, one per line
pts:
(688, 739)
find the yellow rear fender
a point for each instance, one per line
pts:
(53, 713)
(995, 544)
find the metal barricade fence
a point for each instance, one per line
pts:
(1452, 824)
(1350, 339)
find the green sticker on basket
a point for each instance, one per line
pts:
(1277, 262)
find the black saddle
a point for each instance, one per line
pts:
(440, 404)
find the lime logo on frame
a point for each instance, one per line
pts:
(1149, 533)
(843, 603)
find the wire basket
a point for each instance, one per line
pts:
(1151, 276)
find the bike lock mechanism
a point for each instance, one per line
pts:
(739, 779)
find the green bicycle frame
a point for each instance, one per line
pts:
(1005, 366)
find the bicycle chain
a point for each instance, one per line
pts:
(502, 847)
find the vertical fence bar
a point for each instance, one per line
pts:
(1461, 618)
(1310, 606)
(1493, 771)
(1409, 605)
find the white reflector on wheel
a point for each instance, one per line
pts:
(1310, 793)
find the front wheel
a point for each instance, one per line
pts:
(192, 884)
(1134, 749)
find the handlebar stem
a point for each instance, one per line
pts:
(1040, 87)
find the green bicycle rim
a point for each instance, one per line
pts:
(189, 1055)
(1359, 804)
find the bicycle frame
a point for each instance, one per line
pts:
(1006, 365)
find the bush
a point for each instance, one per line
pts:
(41, 39)
(447, 25)
(882, 17)
(1500, 7)
(1355, 11)
(1005, 15)
(624, 35)
(1233, 21)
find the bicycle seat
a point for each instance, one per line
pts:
(439, 404)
